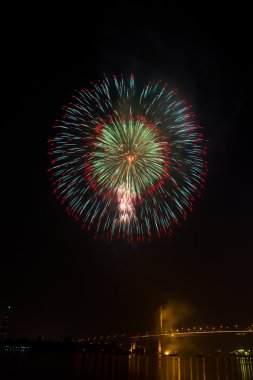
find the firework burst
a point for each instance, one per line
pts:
(127, 163)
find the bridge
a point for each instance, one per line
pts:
(168, 338)
(164, 335)
(193, 333)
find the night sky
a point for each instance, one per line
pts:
(59, 280)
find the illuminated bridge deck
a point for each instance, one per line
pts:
(194, 333)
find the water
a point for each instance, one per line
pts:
(31, 365)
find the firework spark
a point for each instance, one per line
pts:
(128, 163)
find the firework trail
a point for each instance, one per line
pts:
(127, 163)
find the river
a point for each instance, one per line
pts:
(37, 365)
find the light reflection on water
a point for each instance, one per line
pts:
(122, 367)
(173, 368)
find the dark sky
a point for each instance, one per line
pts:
(59, 280)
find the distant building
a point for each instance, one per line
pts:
(4, 322)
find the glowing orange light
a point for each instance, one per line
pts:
(130, 158)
